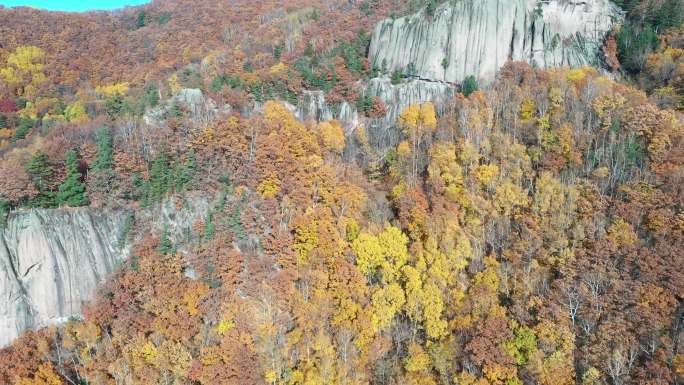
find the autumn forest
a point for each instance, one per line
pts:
(523, 229)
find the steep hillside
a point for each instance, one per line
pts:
(142, 43)
(342, 192)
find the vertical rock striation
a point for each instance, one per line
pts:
(199, 108)
(51, 261)
(476, 37)
(396, 98)
(462, 38)
(312, 105)
(399, 96)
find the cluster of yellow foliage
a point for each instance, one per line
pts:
(25, 70)
(332, 135)
(622, 233)
(112, 89)
(415, 117)
(385, 253)
(75, 113)
(269, 187)
(45, 375)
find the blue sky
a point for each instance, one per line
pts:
(72, 5)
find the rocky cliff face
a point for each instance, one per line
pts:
(312, 105)
(462, 38)
(51, 261)
(200, 109)
(476, 37)
(396, 98)
(399, 96)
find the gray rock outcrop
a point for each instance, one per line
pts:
(312, 105)
(399, 96)
(52, 261)
(200, 109)
(476, 37)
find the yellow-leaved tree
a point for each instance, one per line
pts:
(417, 121)
(385, 253)
(24, 71)
(332, 136)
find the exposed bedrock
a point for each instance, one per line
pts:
(477, 37)
(52, 260)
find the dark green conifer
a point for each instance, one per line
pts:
(165, 245)
(73, 191)
(470, 85)
(41, 172)
(105, 153)
(160, 178)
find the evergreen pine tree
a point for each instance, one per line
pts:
(217, 84)
(191, 164)
(364, 103)
(209, 228)
(4, 211)
(115, 105)
(165, 245)
(73, 191)
(160, 178)
(470, 85)
(431, 7)
(185, 173)
(41, 171)
(141, 189)
(397, 77)
(101, 177)
(235, 220)
(176, 111)
(140, 22)
(105, 153)
(23, 129)
(278, 50)
(152, 95)
(39, 168)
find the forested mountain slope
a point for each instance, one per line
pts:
(137, 44)
(294, 193)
